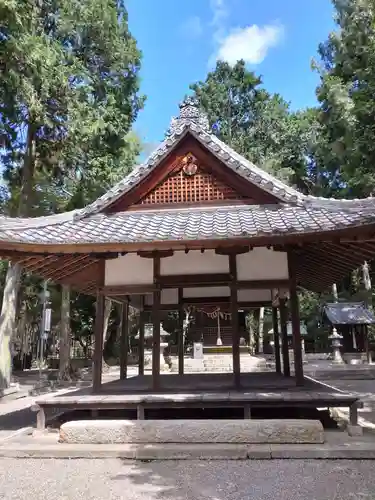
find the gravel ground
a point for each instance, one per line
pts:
(216, 480)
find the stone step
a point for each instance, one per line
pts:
(192, 431)
(221, 362)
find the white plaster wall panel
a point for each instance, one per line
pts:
(129, 269)
(254, 295)
(262, 264)
(168, 296)
(148, 299)
(194, 262)
(212, 291)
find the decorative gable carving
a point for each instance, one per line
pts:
(190, 182)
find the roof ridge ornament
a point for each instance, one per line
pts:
(190, 113)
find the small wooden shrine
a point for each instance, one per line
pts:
(197, 225)
(352, 320)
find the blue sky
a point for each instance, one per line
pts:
(181, 39)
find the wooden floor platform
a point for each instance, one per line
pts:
(258, 390)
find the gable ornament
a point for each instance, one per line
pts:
(189, 165)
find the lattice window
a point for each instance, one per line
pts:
(182, 188)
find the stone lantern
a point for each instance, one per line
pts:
(335, 339)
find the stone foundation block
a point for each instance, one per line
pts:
(192, 431)
(354, 430)
(191, 451)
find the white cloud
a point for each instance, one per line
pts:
(219, 15)
(251, 43)
(192, 28)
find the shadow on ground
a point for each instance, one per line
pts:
(258, 480)
(17, 419)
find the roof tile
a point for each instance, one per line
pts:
(182, 224)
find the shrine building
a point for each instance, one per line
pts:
(198, 225)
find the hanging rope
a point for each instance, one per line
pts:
(216, 313)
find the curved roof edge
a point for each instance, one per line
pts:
(233, 160)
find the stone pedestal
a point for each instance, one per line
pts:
(198, 350)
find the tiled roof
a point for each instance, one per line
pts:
(189, 224)
(349, 313)
(227, 155)
(295, 214)
(191, 122)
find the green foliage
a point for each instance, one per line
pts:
(256, 124)
(346, 93)
(69, 94)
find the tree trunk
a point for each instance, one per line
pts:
(64, 347)
(369, 331)
(21, 329)
(8, 315)
(335, 293)
(8, 322)
(261, 328)
(107, 314)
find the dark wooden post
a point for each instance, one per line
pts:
(276, 339)
(284, 337)
(156, 326)
(99, 330)
(181, 313)
(234, 314)
(296, 324)
(124, 340)
(368, 304)
(141, 344)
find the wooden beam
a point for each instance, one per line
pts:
(262, 284)
(56, 267)
(99, 332)
(206, 300)
(78, 266)
(235, 327)
(37, 266)
(150, 255)
(34, 265)
(124, 340)
(233, 250)
(296, 325)
(217, 301)
(107, 255)
(194, 280)
(109, 290)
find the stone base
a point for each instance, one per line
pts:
(13, 389)
(192, 431)
(354, 430)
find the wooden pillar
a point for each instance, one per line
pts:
(181, 314)
(234, 314)
(156, 327)
(98, 350)
(284, 337)
(141, 344)
(366, 342)
(276, 339)
(124, 340)
(296, 324)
